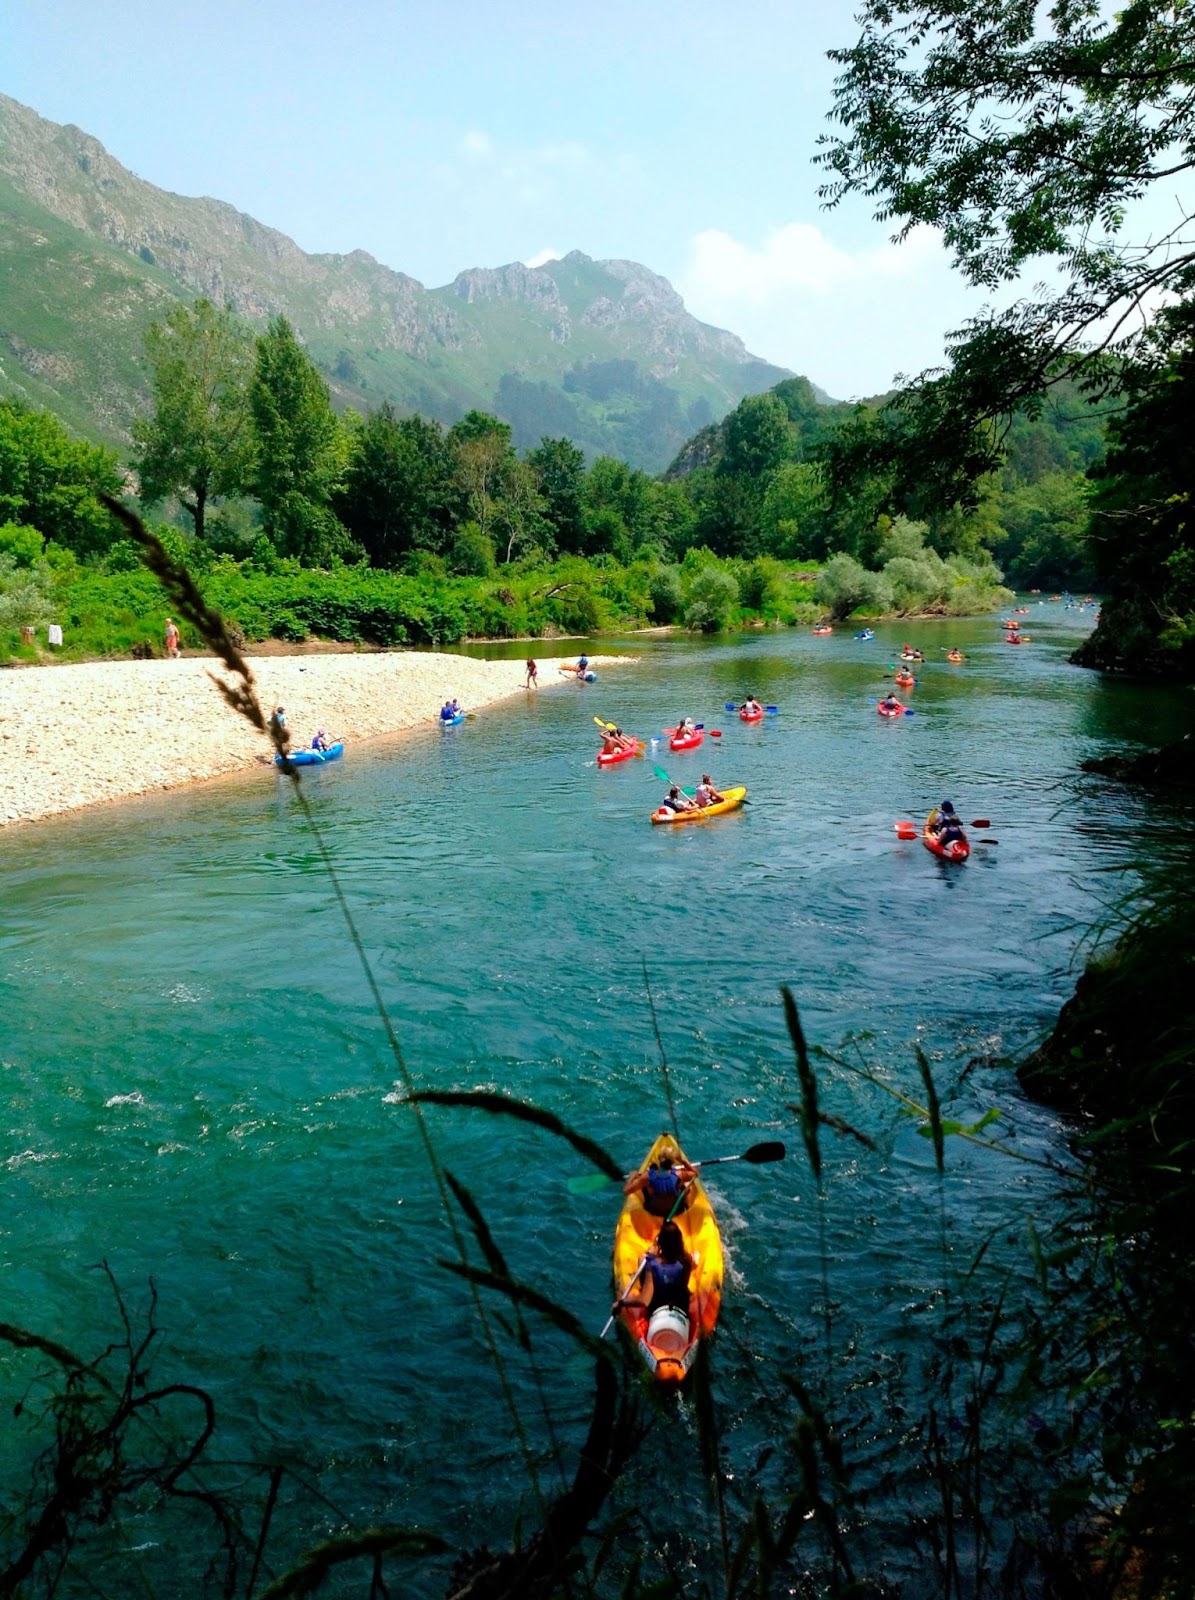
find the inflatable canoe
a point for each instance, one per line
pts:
(667, 1337)
(453, 721)
(889, 711)
(588, 676)
(312, 758)
(751, 716)
(686, 741)
(731, 800)
(956, 850)
(608, 758)
(904, 680)
(820, 633)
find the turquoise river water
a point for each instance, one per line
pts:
(196, 1085)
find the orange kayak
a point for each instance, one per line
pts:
(667, 1338)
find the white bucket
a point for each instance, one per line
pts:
(668, 1330)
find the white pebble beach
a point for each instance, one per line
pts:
(80, 735)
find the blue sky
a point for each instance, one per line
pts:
(445, 136)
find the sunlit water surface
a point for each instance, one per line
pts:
(197, 1086)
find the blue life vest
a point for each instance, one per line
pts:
(663, 1186)
(670, 1283)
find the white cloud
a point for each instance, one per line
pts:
(477, 145)
(849, 318)
(542, 256)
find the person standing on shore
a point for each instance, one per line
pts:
(532, 675)
(172, 639)
(279, 732)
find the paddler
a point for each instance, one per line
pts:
(667, 1268)
(706, 794)
(751, 706)
(674, 800)
(661, 1184)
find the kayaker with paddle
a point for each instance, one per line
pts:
(661, 1184)
(946, 826)
(667, 1268)
(323, 740)
(706, 794)
(674, 800)
(751, 707)
(891, 703)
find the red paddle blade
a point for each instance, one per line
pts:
(982, 822)
(905, 830)
(716, 733)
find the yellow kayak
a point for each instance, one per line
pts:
(731, 800)
(667, 1339)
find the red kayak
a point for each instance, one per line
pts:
(889, 711)
(751, 716)
(608, 758)
(687, 741)
(956, 850)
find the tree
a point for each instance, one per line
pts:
(199, 442)
(560, 467)
(756, 437)
(1022, 133)
(400, 491)
(51, 482)
(301, 449)
(484, 456)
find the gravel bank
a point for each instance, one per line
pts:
(75, 736)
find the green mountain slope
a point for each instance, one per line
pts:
(603, 351)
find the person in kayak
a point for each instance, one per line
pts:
(685, 728)
(447, 711)
(706, 794)
(582, 665)
(674, 800)
(614, 740)
(751, 706)
(667, 1269)
(661, 1184)
(946, 825)
(891, 703)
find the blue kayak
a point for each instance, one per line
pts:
(451, 722)
(312, 758)
(865, 635)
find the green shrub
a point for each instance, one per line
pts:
(712, 599)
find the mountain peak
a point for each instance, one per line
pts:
(602, 351)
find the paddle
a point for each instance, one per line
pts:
(757, 1155)
(623, 1298)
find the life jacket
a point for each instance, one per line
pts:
(663, 1187)
(670, 1283)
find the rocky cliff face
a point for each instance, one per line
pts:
(378, 334)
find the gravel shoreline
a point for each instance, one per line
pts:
(74, 736)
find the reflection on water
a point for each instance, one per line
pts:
(197, 1085)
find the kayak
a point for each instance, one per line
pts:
(1017, 638)
(956, 850)
(608, 758)
(904, 681)
(312, 758)
(889, 711)
(751, 716)
(915, 659)
(820, 633)
(667, 1338)
(865, 635)
(731, 800)
(451, 722)
(688, 741)
(952, 657)
(588, 676)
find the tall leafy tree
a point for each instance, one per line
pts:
(560, 467)
(50, 481)
(400, 491)
(1022, 133)
(198, 444)
(301, 448)
(485, 458)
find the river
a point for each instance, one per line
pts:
(197, 1086)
